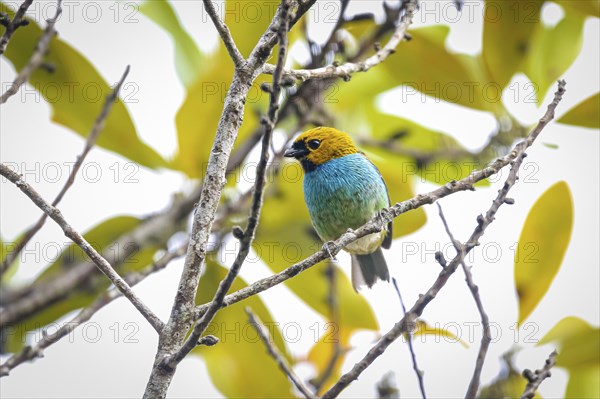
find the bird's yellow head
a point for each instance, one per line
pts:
(319, 145)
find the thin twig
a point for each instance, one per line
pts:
(30, 353)
(536, 378)
(387, 214)
(78, 239)
(518, 154)
(37, 58)
(275, 354)
(347, 69)
(15, 24)
(409, 334)
(234, 53)
(486, 338)
(246, 242)
(89, 143)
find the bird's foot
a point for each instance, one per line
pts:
(326, 248)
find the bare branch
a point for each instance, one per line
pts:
(30, 353)
(15, 24)
(248, 236)
(518, 154)
(89, 143)
(418, 371)
(486, 338)
(78, 239)
(234, 53)
(347, 69)
(37, 58)
(387, 214)
(536, 379)
(182, 313)
(275, 354)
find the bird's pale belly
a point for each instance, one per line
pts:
(367, 244)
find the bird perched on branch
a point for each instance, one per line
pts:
(343, 190)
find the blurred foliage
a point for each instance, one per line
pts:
(189, 61)
(239, 364)
(542, 246)
(584, 114)
(103, 238)
(508, 384)
(76, 92)
(513, 41)
(579, 353)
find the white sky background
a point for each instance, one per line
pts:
(91, 365)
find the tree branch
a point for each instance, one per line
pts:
(418, 371)
(248, 236)
(275, 354)
(37, 58)
(234, 53)
(182, 313)
(347, 69)
(78, 239)
(486, 337)
(387, 214)
(536, 379)
(13, 25)
(30, 353)
(89, 143)
(517, 155)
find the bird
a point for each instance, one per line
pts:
(344, 190)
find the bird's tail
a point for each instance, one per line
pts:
(366, 269)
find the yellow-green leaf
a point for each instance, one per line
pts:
(579, 353)
(250, 371)
(585, 7)
(507, 36)
(248, 20)
(542, 246)
(422, 153)
(188, 58)
(5, 248)
(198, 116)
(586, 113)
(543, 66)
(462, 80)
(322, 354)
(424, 329)
(76, 92)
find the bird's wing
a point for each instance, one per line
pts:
(387, 241)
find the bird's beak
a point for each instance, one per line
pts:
(296, 151)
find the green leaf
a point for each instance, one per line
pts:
(586, 113)
(416, 144)
(189, 61)
(508, 32)
(5, 248)
(542, 246)
(102, 237)
(543, 65)
(76, 92)
(424, 329)
(579, 353)
(247, 21)
(321, 355)
(198, 116)
(585, 7)
(250, 371)
(462, 80)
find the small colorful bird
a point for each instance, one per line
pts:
(343, 190)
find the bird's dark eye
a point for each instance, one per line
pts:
(314, 144)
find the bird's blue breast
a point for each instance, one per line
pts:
(343, 193)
